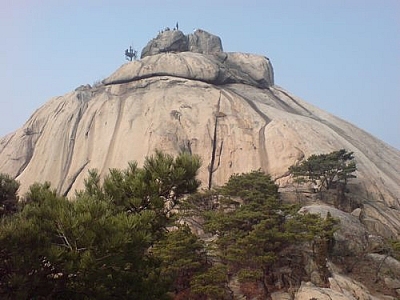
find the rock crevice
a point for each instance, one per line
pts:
(199, 41)
(256, 125)
(211, 69)
(197, 56)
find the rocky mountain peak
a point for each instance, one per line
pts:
(197, 56)
(185, 93)
(203, 42)
(199, 41)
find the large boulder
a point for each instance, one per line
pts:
(250, 69)
(166, 41)
(387, 270)
(382, 217)
(308, 291)
(353, 289)
(340, 288)
(204, 42)
(351, 238)
(175, 41)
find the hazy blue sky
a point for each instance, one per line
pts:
(340, 55)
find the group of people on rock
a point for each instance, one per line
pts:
(168, 29)
(131, 54)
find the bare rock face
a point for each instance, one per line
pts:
(218, 70)
(341, 288)
(203, 42)
(221, 106)
(351, 238)
(387, 270)
(175, 41)
(309, 291)
(166, 41)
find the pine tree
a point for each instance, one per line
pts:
(182, 256)
(98, 246)
(8, 194)
(329, 169)
(251, 235)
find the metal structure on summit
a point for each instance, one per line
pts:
(130, 54)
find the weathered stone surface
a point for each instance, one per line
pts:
(184, 65)
(175, 41)
(265, 128)
(388, 266)
(375, 243)
(207, 101)
(280, 296)
(350, 288)
(175, 102)
(309, 291)
(204, 42)
(218, 69)
(341, 287)
(357, 213)
(382, 216)
(166, 41)
(253, 69)
(351, 238)
(392, 283)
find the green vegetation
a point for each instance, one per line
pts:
(394, 248)
(99, 246)
(254, 229)
(122, 238)
(181, 255)
(8, 194)
(327, 170)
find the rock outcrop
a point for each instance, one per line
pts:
(351, 238)
(356, 253)
(220, 69)
(167, 41)
(204, 42)
(341, 288)
(186, 94)
(175, 41)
